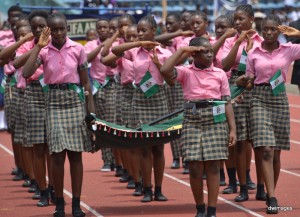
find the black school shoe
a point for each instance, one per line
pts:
(148, 195)
(272, 205)
(175, 164)
(44, 201)
(230, 190)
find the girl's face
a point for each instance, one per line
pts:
(198, 25)
(22, 23)
(221, 25)
(131, 34)
(204, 58)
(185, 22)
(37, 25)
(13, 26)
(102, 29)
(123, 22)
(242, 21)
(145, 31)
(22, 31)
(91, 35)
(113, 26)
(58, 27)
(270, 31)
(172, 25)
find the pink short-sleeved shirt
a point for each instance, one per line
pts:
(229, 43)
(24, 48)
(98, 69)
(62, 66)
(198, 84)
(6, 37)
(126, 71)
(264, 64)
(142, 62)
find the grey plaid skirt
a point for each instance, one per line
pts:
(8, 100)
(19, 129)
(270, 118)
(35, 125)
(126, 113)
(65, 122)
(145, 109)
(203, 139)
(105, 103)
(175, 96)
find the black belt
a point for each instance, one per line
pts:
(237, 73)
(198, 104)
(263, 84)
(59, 86)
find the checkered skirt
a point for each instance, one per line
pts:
(65, 122)
(8, 100)
(145, 109)
(35, 125)
(270, 118)
(203, 139)
(127, 95)
(20, 114)
(105, 103)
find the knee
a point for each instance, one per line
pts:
(267, 153)
(194, 171)
(276, 159)
(213, 167)
(158, 151)
(39, 151)
(75, 157)
(239, 147)
(145, 152)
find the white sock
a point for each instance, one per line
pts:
(3, 125)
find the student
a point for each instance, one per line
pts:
(185, 21)
(269, 111)
(91, 35)
(246, 38)
(145, 107)
(223, 30)
(198, 124)
(65, 110)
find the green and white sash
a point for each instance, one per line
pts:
(79, 91)
(106, 82)
(242, 64)
(219, 111)
(148, 85)
(3, 83)
(96, 87)
(277, 83)
(13, 80)
(45, 87)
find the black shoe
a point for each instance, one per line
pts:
(272, 206)
(119, 171)
(33, 187)
(175, 164)
(186, 169)
(14, 171)
(251, 185)
(222, 183)
(160, 197)
(26, 183)
(19, 176)
(213, 215)
(77, 212)
(106, 168)
(200, 214)
(37, 194)
(125, 177)
(229, 190)
(138, 189)
(59, 213)
(44, 201)
(131, 183)
(241, 198)
(148, 195)
(261, 196)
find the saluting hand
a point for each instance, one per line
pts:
(289, 31)
(187, 33)
(149, 44)
(155, 59)
(28, 37)
(230, 32)
(244, 34)
(191, 50)
(44, 38)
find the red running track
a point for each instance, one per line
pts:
(103, 195)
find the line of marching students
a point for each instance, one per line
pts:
(120, 75)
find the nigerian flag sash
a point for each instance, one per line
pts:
(106, 81)
(96, 87)
(219, 111)
(45, 87)
(3, 83)
(148, 85)
(13, 80)
(242, 64)
(79, 91)
(277, 83)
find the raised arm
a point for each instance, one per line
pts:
(167, 69)
(9, 51)
(289, 31)
(31, 65)
(218, 44)
(229, 61)
(120, 49)
(108, 44)
(164, 38)
(109, 60)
